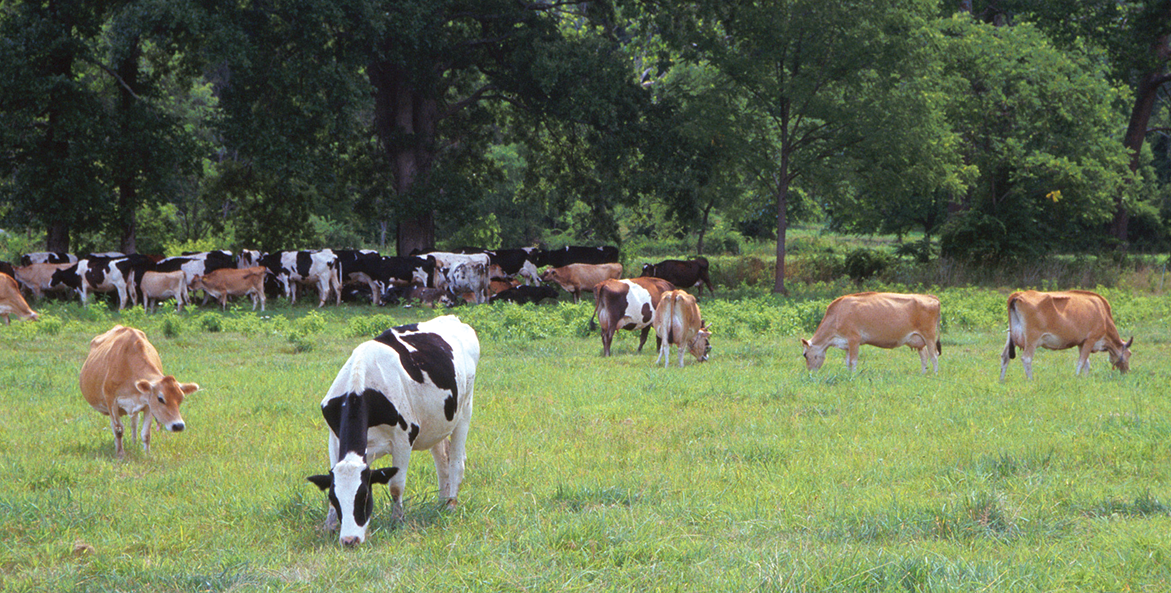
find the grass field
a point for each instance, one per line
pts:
(745, 473)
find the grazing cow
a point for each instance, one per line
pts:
(306, 267)
(576, 278)
(47, 257)
(468, 277)
(525, 294)
(1060, 320)
(38, 278)
(572, 254)
(226, 282)
(195, 264)
(12, 302)
(677, 321)
(883, 319)
(683, 274)
(409, 389)
(121, 275)
(429, 297)
(510, 263)
(123, 376)
(627, 304)
(159, 286)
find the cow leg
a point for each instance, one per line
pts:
(682, 354)
(401, 458)
(607, 339)
(116, 428)
(1005, 356)
(852, 355)
(664, 352)
(1083, 358)
(1027, 360)
(442, 469)
(456, 454)
(147, 422)
(642, 338)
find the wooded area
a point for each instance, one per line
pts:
(999, 129)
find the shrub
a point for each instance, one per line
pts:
(211, 322)
(172, 325)
(862, 264)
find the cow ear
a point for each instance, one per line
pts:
(382, 476)
(189, 388)
(1128, 343)
(143, 386)
(805, 342)
(322, 481)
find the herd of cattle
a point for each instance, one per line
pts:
(434, 277)
(411, 388)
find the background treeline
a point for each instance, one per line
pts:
(979, 132)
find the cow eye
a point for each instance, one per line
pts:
(161, 400)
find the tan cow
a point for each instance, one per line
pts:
(158, 286)
(677, 321)
(576, 278)
(1060, 320)
(226, 282)
(123, 376)
(627, 304)
(38, 278)
(883, 319)
(12, 302)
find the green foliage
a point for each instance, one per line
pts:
(172, 325)
(862, 264)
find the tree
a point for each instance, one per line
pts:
(803, 69)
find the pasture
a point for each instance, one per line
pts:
(745, 473)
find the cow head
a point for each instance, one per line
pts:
(164, 396)
(700, 346)
(351, 498)
(648, 269)
(814, 357)
(1121, 359)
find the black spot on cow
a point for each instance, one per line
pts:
(304, 260)
(630, 326)
(413, 433)
(428, 354)
(647, 313)
(349, 417)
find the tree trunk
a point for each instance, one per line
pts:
(703, 228)
(416, 234)
(782, 191)
(127, 184)
(405, 120)
(1145, 97)
(57, 237)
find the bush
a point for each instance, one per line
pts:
(211, 322)
(862, 264)
(172, 325)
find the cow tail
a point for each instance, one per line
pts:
(938, 346)
(1011, 342)
(671, 319)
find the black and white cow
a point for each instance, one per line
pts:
(507, 264)
(357, 265)
(573, 254)
(466, 277)
(305, 267)
(47, 257)
(248, 258)
(409, 389)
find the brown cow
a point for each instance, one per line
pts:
(627, 304)
(12, 302)
(576, 278)
(226, 282)
(883, 319)
(158, 286)
(38, 278)
(677, 321)
(1060, 320)
(123, 376)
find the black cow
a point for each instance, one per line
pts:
(409, 389)
(526, 294)
(683, 274)
(573, 254)
(506, 264)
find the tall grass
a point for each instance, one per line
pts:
(584, 473)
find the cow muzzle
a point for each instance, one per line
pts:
(176, 427)
(350, 541)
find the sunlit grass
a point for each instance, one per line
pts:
(584, 473)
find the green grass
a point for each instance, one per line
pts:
(745, 473)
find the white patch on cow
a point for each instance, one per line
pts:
(347, 479)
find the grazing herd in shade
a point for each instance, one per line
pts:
(411, 388)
